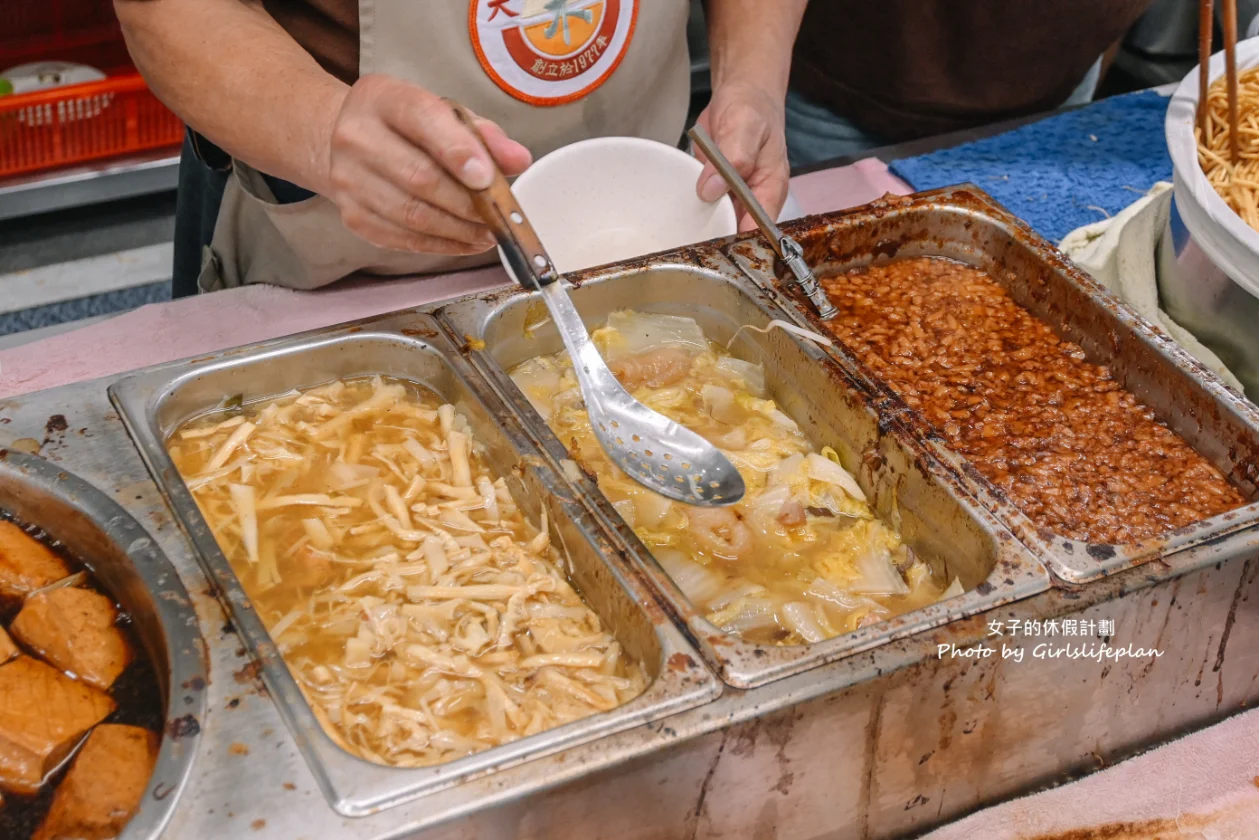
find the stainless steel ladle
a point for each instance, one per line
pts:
(658, 453)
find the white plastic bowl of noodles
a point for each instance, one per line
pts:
(608, 199)
(1208, 264)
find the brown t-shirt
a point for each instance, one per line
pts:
(904, 69)
(327, 29)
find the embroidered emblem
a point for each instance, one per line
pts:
(551, 52)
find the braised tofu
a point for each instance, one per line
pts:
(8, 650)
(26, 564)
(75, 630)
(103, 786)
(43, 714)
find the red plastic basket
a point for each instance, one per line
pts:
(78, 123)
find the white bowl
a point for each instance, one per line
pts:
(613, 198)
(1226, 239)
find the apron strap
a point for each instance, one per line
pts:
(208, 153)
(220, 161)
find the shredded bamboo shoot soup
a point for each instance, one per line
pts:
(802, 557)
(423, 617)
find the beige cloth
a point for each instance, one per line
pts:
(305, 246)
(1122, 253)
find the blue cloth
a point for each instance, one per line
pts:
(1058, 172)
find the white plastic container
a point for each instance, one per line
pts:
(46, 75)
(1208, 272)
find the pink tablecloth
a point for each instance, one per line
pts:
(190, 327)
(1203, 786)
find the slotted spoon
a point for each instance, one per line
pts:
(652, 449)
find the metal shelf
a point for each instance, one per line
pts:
(141, 174)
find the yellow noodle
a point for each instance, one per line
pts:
(1236, 182)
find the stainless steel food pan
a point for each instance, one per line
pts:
(133, 570)
(966, 224)
(409, 346)
(756, 763)
(908, 488)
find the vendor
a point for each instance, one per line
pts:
(924, 68)
(319, 144)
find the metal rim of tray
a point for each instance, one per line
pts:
(185, 668)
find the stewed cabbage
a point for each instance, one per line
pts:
(802, 557)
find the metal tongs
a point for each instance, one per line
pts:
(658, 453)
(788, 250)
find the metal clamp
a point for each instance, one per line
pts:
(793, 256)
(788, 249)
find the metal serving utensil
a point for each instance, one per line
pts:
(652, 449)
(787, 248)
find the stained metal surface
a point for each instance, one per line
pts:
(882, 739)
(129, 566)
(907, 487)
(963, 223)
(155, 402)
(883, 743)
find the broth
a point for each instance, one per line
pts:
(422, 616)
(802, 557)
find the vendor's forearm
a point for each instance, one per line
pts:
(236, 77)
(748, 42)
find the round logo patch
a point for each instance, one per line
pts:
(551, 52)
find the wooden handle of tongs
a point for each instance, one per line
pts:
(1230, 73)
(1206, 29)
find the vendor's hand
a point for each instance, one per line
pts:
(400, 166)
(747, 123)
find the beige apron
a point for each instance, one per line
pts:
(431, 43)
